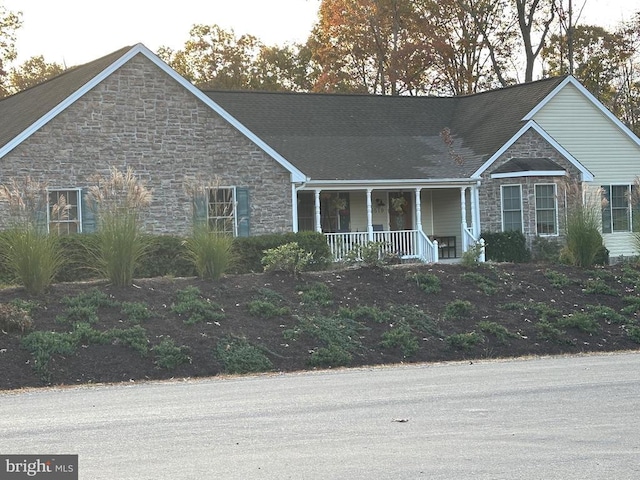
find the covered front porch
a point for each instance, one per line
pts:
(428, 223)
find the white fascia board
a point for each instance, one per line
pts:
(582, 89)
(387, 184)
(531, 173)
(587, 176)
(296, 175)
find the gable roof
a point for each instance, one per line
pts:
(25, 112)
(366, 137)
(326, 137)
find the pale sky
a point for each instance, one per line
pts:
(72, 32)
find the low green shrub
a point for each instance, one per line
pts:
(464, 341)
(500, 332)
(557, 279)
(266, 309)
(632, 305)
(546, 330)
(168, 355)
(485, 284)
(371, 254)
(581, 321)
(136, 312)
(42, 345)
(331, 356)
(633, 332)
(605, 313)
(316, 294)
(401, 336)
(194, 308)
(598, 286)
(428, 282)
(289, 258)
(249, 251)
(238, 356)
(134, 337)
(457, 309)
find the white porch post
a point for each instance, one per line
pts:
(294, 207)
(463, 210)
(420, 253)
(477, 228)
(369, 215)
(317, 209)
(418, 209)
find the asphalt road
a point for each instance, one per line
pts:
(552, 418)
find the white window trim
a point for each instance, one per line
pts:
(78, 206)
(555, 207)
(234, 201)
(629, 207)
(502, 205)
(531, 173)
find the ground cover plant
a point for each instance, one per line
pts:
(157, 328)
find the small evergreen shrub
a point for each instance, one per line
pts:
(194, 308)
(581, 321)
(331, 356)
(288, 258)
(457, 309)
(599, 286)
(42, 345)
(632, 305)
(485, 284)
(428, 282)
(508, 246)
(464, 341)
(168, 355)
(500, 332)
(605, 313)
(633, 332)
(238, 356)
(316, 294)
(365, 313)
(266, 309)
(546, 330)
(136, 312)
(557, 279)
(401, 336)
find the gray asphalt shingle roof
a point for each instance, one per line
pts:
(338, 137)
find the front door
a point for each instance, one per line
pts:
(400, 211)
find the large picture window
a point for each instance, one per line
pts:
(546, 210)
(511, 208)
(63, 211)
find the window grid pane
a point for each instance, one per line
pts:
(511, 208)
(221, 210)
(620, 211)
(546, 210)
(63, 212)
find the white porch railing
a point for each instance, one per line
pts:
(469, 241)
(405, 244)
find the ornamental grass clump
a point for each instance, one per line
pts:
(583, 238)
(118, 202)
(30, 253)
(210, 251)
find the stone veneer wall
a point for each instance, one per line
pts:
(530, 145)
(140, 117)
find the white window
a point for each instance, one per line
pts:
(511, 208)
(64, 211)
(546, 209)
(221, 210)
(618, 212)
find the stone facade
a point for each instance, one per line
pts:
(530, 145)
(140, 117)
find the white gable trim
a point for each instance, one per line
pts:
(587, 176)
(605, 111)
(296, 175)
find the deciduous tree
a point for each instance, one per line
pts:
(35, 70)
(9, 23)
